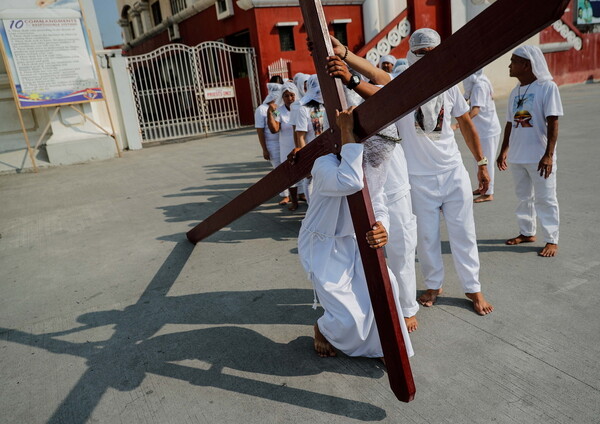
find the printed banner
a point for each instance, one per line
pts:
(48, 53)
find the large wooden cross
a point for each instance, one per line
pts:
(499, 28)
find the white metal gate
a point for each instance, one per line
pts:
(183, 91)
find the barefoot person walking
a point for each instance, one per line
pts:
(529, 145)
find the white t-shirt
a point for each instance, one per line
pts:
(260, 121)
(438, 154)
(307, 119)
(486, 121)
(528, 108)
(286, 132)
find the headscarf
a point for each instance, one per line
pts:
(287, 86)
(400, 66)
(538, 62)
(420, 39)
(273, 92)
(313, 91)
(477, 77)
(299, 79)
(423, 38)
(389, 59)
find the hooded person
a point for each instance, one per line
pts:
(480, 94)
(268, 140)
(280, 123)
(400, 66)
(387, 63)
(300, 80)
(328, 249)
(310, 120)
(440, 182)
(531, 132)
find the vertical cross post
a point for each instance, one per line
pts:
(363, 218)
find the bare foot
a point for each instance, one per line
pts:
(293, 206)
(476, 192)
(284, 201)
(483, 198)
(411, 323)
(481, 306)
(322, 346)
(429, 297)
(520, 239)
(549, 250)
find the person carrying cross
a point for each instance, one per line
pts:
(329, 251)
(531, 132)
(438, 179)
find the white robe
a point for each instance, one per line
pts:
(329, 253)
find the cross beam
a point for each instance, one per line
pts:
(478, 43)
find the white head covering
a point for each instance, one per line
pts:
(313, 91)
(299, 79)
(274, 92)
(538, 62)
(420, 39)
(389, 59)
(287, 86)
(477, 78)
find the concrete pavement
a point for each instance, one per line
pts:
(108, 314)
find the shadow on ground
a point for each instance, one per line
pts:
(135, 350)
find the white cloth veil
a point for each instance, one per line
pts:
(287, 86)
(423, 38)
(313, 91)
(274, 90)
(537, 59)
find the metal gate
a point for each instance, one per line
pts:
(183, 91)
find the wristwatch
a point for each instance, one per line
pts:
(353, 83)
(482, 162)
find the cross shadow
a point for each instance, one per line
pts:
(136, 348)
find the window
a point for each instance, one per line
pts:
(224, 9)
(156, 14)
(286, 38)
(339, 32)
(238, 60)
(177, 6)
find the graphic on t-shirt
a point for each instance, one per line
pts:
(316, 118)
(521, 106)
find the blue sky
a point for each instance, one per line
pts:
(106, 11)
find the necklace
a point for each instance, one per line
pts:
(521, 99)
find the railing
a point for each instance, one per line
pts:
(388, 39)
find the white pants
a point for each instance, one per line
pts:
(449, 193)
(489, 146)
(536, 197)
(400, 251)
(273, 148)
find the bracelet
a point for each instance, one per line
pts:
(482, 162)
(345, 53)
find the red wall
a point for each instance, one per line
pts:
(572, 66)
(264, 37)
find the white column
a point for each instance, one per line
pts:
(371, 23)
(127, 35)
(144, 9)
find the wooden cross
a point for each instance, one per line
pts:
(496, 30)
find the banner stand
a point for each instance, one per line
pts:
(57, 105)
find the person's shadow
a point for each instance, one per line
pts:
(134, 350)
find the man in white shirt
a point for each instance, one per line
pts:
(329, 252)
(531, 132)
(438, 179)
